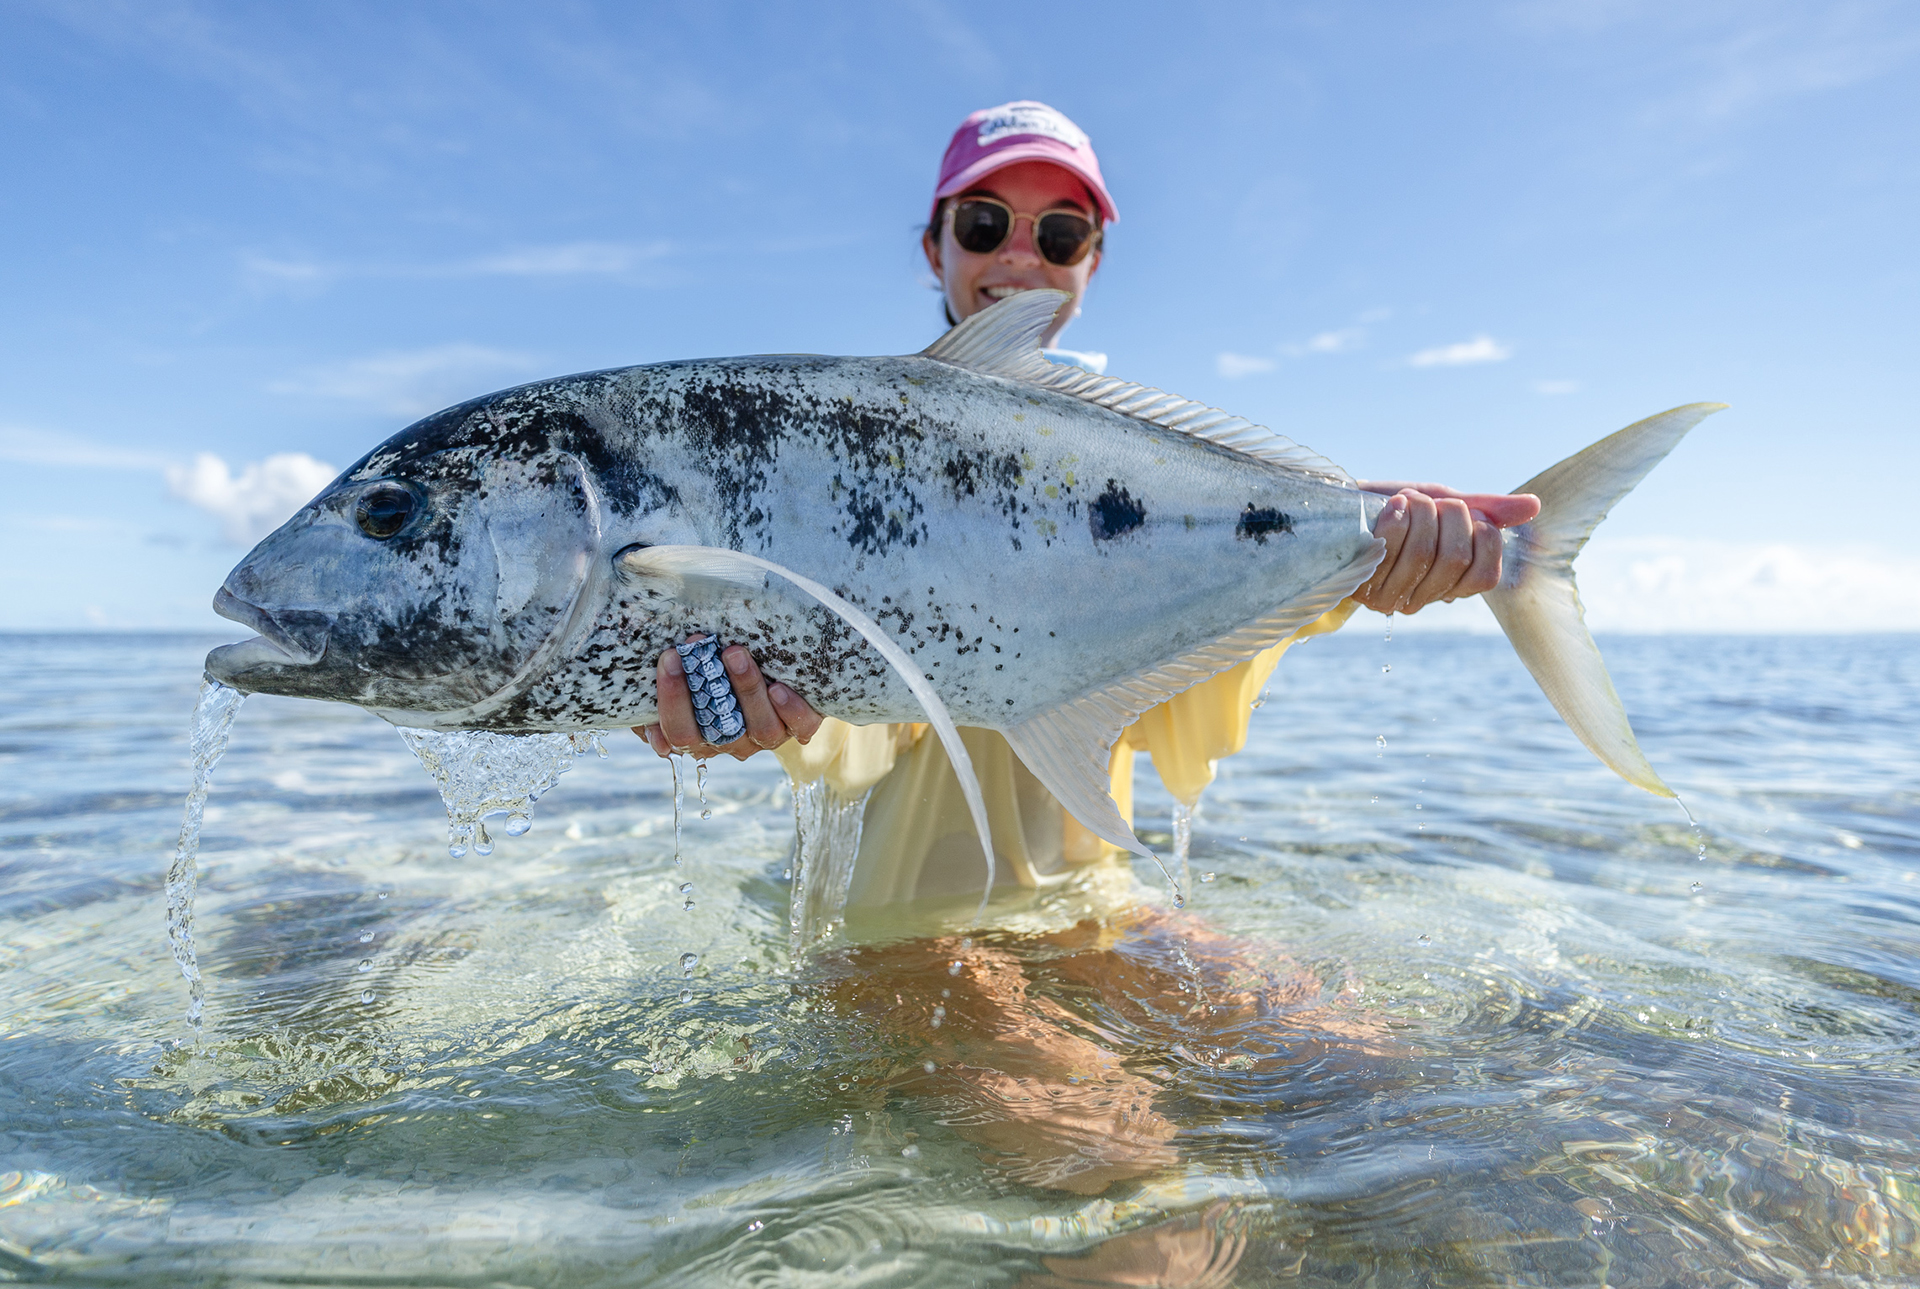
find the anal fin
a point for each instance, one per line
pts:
(1069, 747)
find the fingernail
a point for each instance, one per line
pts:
(736, 660)
(779, 693)
(672, 660)
(1398, 504)
(1479, 515)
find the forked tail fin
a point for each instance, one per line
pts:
(1538, 605)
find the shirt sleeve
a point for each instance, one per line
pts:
(851, 758)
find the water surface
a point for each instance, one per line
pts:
(1454, 1008)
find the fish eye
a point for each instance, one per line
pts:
(384, 509)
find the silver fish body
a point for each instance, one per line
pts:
(1023, 546)
(968, 535)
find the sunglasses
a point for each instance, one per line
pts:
(983, 225)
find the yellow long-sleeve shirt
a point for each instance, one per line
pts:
(917, 840)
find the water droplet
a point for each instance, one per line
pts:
(1425, 940)
(457, 850)
(928, 1067)
(482, 842)
(1380, 740)
(946, 993)
(686, 995)
(213, 714)
(953, 968)
(366, 995)
(1179, 900)
(910, 1152)
(1696, 888)
(1261, 701)
(678, 794)
(756, 1225)
(688, 961)
(383, 895)
(366, 937)
(700, 782)
(845, 1086)
(1206, 877)
(1385, 667)
(366, 964)
(966, 942)
(939, 1014)
(517, 825)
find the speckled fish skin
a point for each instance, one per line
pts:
(1025, 547)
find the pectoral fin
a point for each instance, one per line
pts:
(719, 564)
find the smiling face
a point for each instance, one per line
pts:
(974, 282)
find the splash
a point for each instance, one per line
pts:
(213, 717)
(1182, 847)
(482, 774)
(827, 841)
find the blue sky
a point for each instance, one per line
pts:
(1451, 241)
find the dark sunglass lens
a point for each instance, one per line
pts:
(1063, 238)
(980, 226)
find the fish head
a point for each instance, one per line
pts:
(429, 576)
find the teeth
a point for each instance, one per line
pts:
(1002, 292)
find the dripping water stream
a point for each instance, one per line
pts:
(213, 717)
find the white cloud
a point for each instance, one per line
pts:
(565, 259)
(1668, 585)
(39, 447)
(1344, 340)
(409, 382)
(253, 503)
(572, 259)
(1481, 349)
(1556, 387)
(1234, 366)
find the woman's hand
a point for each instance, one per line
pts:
(774, 713)
(1441, 544)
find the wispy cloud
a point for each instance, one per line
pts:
(41, 447)
(558, 260)
(1481, 349)
(1344, 340)
(249, 503)
(571, 259)
(1233, 366)
(1662, 585)
(257, 500)
(1552, 387)
(408, 382)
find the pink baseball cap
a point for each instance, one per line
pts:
(997, 137)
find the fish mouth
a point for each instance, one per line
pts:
(299, 634)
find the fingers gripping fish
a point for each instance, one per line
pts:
(969, 535)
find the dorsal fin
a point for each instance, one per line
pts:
(1004, 341)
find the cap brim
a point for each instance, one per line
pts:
(1033, 150)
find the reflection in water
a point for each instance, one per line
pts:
(1510, 1047)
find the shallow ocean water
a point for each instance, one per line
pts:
(1454, 1008)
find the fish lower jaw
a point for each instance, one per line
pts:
(273, 632)
(237, 663)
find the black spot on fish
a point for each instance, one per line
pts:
(1115, 513)
(1257, 523)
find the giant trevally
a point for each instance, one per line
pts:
(969, 534)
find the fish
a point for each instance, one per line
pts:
(970, 535)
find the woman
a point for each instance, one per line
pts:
(1021, 204)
